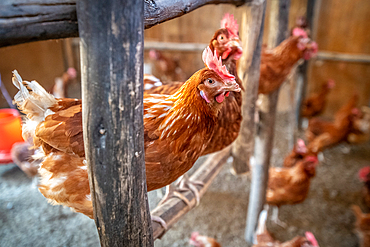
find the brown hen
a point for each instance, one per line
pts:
(315, 104)
(323, 134)
(277, 63)
(362, 226)
(264, 239)
(177, 129)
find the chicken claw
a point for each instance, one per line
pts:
(160, 221)
(183, 184)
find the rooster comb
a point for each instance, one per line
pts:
(310, 237)
(211, 61)
(230, 24)
(300, 32)
(363, 172)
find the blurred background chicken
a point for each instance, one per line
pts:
(60, 88)
(322, 134)
(277, 63)
(315, 104)
(289, 185)
(364, 176)
(21, 154)
(166, 68)
(362, 226)
(198, 240)
(264, 239)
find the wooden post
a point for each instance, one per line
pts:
(265, 133)
(249, 71)
(312, 15)
(111, 43)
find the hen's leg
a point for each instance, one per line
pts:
(275, 217)
(160, 221)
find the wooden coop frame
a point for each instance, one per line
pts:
(115, 39)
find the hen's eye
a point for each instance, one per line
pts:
(210, 81)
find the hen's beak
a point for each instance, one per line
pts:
(235, 48)
(224, 91)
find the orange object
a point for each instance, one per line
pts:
(10, 132)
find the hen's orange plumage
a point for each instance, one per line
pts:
(277, 63)
(315, 104)
(290, 185)
(323, 134)
(362, 226)
(177, 129)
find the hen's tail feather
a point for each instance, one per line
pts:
(32, 99)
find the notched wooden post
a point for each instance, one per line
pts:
(112, 68)
(249, 71)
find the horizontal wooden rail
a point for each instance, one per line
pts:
(337, 56)
(170, 46)
(24, 21)
(172, 210)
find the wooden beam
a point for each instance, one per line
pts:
(24, 21)
(265, 134)
(111, 43)
(249, 71)
(344, 57)
(173, 209)
(172, 46)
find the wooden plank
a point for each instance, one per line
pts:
(173, 209)
(173, 46)
(31, 20)
(249, 72)
(112, 67)
(279, 14)
(338, 56)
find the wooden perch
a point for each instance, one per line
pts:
(249, 72)
(24, 21)
(112, 107)
(172, 210)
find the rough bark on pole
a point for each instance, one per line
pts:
(265, 133)
(251, 33)
(24, 21)
(111, 43)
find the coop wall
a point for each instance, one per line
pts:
(341, 28)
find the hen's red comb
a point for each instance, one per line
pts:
(215, 64)
(301, 146)
(310, 237)
(230, 24)
(363, 172)
(300, 32)
(312, 159)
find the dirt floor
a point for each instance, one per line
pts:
(26, 219)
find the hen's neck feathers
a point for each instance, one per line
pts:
(188, 96)
(287, 52)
